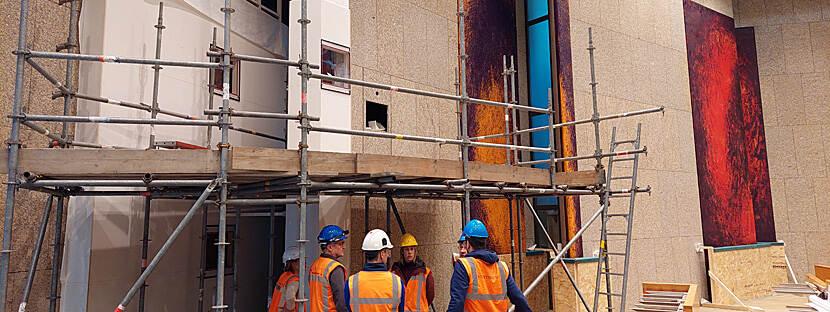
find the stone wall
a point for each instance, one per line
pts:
(641, 62)
(793, 45)
(413, 44)
(48, 26)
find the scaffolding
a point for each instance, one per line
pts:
(301, 189)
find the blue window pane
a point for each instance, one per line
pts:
(539, 63)
(536, 9)
(546, 201)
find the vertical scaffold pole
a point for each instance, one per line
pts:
(71, 47)
(156, 69)
(211, 84)
(202, 260)
(41, 234)
(272, 238)
(14, 146)
(224, 120)
(551, 140)
(465, 146)
(595, 116)
(305, 73)
(145, 246)
(56, 255)
(505, 73)
(513, 101)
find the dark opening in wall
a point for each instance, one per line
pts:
(376, 116)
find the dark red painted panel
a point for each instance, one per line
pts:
(717, 112)
(754, 138)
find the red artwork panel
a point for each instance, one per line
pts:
(754, 138)
(718, 117)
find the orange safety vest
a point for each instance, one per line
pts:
(371, 291)
(276, 299)
(487, 290)
(416, 293)
(318, 284)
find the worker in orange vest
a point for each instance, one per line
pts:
(327, 276)
(480, 282)
(375, 289)
(285, 292)
(420, 286)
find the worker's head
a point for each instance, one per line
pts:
(408, 244)
(475, 235)
(291, 259)
(462, 247)
(377, 247)
(331, 240)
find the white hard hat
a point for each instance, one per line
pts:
(291, 253)
(376, 240)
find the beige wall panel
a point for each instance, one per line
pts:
(792, 46)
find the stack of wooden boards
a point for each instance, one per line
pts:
(668, 297)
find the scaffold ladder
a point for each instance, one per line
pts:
(604, 270)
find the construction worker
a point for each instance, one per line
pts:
(375, 289)
(420, 286)
(327, 276)
(285, 292)
(462, 251)
(480, 282)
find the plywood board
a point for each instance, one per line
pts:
(254, 163)
(691, 290)
(269, 159)
(775, 303)
(822, 272)
(584, 273)
(750, 272)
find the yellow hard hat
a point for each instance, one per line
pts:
(408, 240)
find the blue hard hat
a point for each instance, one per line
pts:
(331, 233)
(475, 228)
(461, 239)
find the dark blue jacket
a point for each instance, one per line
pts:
(377, 267)
(460, 282)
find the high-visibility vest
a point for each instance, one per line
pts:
(374, 291)
(416, 293)
(487, 290)
(319, 287)
(276, 299)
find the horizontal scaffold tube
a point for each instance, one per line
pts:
(120, 120)
(256, 133)
(236, 113)
(260, 59)
(427, 139)
(575, 122)
(117, 59)
(124, 183)
(439, 187)
(427, 93)
(39, 129)
(620, 153)
(266, 201)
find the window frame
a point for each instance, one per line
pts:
(236, 75)
(327, 85)
(272, 13)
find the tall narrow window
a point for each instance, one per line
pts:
(335, 62)
(218, 76)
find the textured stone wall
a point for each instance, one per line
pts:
(408, 43)
(793, 45)
(48, 26)
(641, 62)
